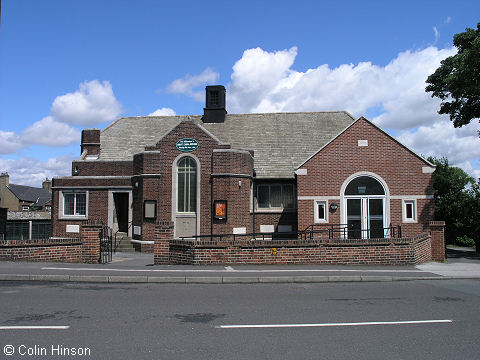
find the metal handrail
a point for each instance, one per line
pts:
(331, 231)
(130, 223)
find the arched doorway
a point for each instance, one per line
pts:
(365, 214)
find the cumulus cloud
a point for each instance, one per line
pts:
(49, 132)
(92, 103)
(31, 172)
(188, 85)
(266, 81)
(9, 142)
(163, 112)
(441, 139)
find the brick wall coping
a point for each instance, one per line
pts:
(298, 243)
(40, 243)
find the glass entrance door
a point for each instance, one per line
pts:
(354, 218)
(365, 217)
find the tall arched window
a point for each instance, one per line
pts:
(186, 185)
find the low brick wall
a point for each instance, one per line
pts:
(61, 250)
(83, 249)
(405, 251)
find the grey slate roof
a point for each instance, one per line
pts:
(281, 141)
(31, 194)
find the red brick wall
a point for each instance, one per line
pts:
(397, 166)
(438, 240)
(275, 218)
(90, 141)
(229, 167)
(69, 252)
(399, 252)
(102, 168)
(97, 210)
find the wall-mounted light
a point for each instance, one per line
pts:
(239, 183)
(333, 206)
(76, 171)
(136, 184)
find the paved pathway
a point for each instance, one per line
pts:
(139, 268)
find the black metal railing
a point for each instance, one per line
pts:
(311, 233)
(346, 231)
(106, 245)
(116, 241)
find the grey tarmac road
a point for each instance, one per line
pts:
(174, 321)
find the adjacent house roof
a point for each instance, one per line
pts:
(280, 141)
(38, 196)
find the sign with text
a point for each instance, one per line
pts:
(187, 145)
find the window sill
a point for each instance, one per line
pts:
(72, 217)
(273, 211)
(186, 215)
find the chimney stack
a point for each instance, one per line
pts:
(90, 142)
(214, 111)
(4, 179)
(47, 185)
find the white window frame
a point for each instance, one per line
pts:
(186, 189)
(317, 213)
(406, 202)
(61, 203)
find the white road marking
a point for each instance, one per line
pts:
(233, 270)
(34, 327)
(229, 268)
(333, 324)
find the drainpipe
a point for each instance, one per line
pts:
(253, 200)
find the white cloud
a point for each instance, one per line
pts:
(9, 142)
(189, 83)
(441, 139)
(163, 112)
(448, 20)
(49, 132)
(257, 76)
(31, 172)
(266, 82)
(92, 103)
(437, 34)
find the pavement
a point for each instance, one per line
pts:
(461, 263)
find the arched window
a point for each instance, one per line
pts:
(186, 185)
(364, 185)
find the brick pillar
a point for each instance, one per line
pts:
(90, 234)
(161, 248)
(437, 231)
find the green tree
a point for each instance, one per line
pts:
(457, 81)
(457, 200)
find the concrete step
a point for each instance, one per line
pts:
(124, 243)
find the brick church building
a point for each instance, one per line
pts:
(226, 173)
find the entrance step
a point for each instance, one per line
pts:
(124, 244)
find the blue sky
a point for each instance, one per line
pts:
(68, 65)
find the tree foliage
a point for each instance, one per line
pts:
(457, 81)
(457, 200)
